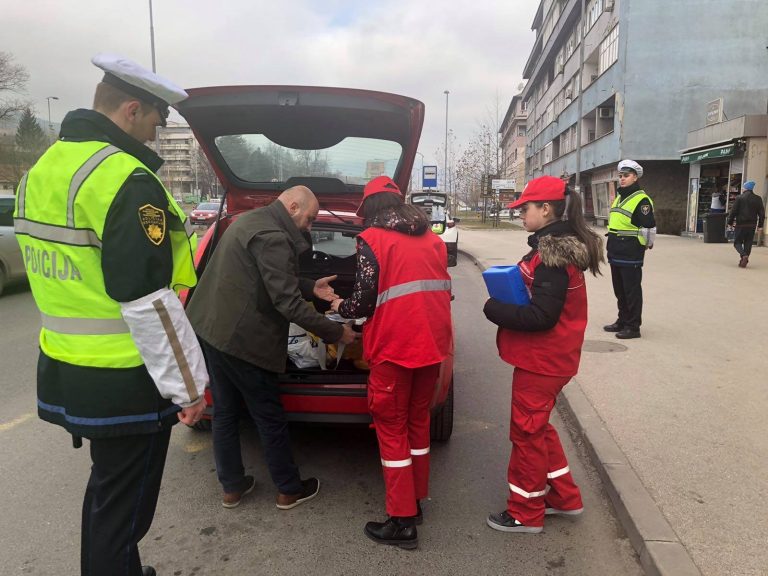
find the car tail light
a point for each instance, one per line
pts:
(450, 223)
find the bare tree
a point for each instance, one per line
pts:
(13, 79)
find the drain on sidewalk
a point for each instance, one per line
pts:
(602, 346)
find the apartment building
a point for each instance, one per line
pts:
(630, 79)
(178, 147)
(513, 137)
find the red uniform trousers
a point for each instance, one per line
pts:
(538, 473)
(399, 399)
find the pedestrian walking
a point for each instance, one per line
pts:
(543, 340)
(746, 213)
(631, 231)
(403, 288)
(105, 246)
(248, 295)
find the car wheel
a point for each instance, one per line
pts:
(441, 425)
(2, 280)
(202, 425)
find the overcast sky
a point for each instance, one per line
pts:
(476, 49)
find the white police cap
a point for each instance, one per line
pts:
(137, 81)
(625, 165)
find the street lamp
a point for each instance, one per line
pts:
(50, 124)
(152, 36)
(421, 177)
(445, 165)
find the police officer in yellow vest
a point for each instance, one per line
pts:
(106, 248)
(631, 231)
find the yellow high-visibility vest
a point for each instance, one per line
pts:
(620, 218)
(61, 207)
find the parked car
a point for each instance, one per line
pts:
(205, 213)
(11, 261)
(434, 204)
(265, 139)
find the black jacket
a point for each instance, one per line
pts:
(747, 211)
(128, 401)
(550, 282)
(627, 250)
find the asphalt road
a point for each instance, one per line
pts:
(43, 479)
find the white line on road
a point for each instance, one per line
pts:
(4, 427)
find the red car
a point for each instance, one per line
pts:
(205, 213)
(264, 139)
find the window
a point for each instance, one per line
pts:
(609, 50)
(521, 131)
(547, 153)
(6, 211)
(594, 9)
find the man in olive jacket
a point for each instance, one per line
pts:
(248, 295)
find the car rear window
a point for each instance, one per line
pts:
(353, 160)
(6, 211)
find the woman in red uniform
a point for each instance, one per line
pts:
(543, 341)
(402, 286)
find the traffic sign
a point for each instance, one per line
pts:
(429, 177)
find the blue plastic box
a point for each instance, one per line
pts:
(505, 283)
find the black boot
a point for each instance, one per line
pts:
(627, 333)
(419, 518)
(148, 571)
(395, 531)
(615, 327)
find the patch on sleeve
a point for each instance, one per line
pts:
(645, 209)
(153, 222)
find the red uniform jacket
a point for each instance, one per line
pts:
(557, 350)
(411, 325)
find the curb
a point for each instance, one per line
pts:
(659, 549)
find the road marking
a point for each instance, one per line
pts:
(196, 446)
(23, 418)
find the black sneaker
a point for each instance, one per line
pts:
(615, 327)
(400, 532)
(505, 523)
(310, 488)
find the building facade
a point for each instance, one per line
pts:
(630, 79)
(177, 146)
(513, 138)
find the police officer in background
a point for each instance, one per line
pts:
(631, 230)
(105, 248)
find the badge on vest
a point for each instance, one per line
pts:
(645, 209)
(153, 222)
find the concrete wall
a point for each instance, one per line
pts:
(677, 56)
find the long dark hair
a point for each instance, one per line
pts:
(575, 217)
(392, 203)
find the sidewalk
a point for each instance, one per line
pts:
(676, 420)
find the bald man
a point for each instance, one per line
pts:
(248, 295)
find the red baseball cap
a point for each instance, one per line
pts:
(542, 189)
(377, 185)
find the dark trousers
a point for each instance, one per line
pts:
(742, 240)
(235, 382)
(627, 286)
(120, 501)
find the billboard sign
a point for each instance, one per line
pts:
(503, 184)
